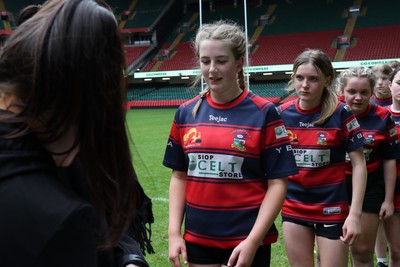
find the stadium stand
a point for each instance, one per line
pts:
(183, 57)
(133, 52)
(271, 46)
(144, 13)
(159, 96)
(305, 24)
(375, 42)
(119, 6)
(278, 30)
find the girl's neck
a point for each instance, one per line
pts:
(305, 105)
(396, 107)
(226, 98)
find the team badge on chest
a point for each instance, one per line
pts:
(322, 137)
(239, 139)
(369, 138)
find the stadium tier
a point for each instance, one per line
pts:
(375, 42)
(278, 31)
(158, 36)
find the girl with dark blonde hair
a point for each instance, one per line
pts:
(230, 156)
(322, 131)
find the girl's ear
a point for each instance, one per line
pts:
(328, 81)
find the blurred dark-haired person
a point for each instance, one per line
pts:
(68, 191)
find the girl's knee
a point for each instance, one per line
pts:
(362, 254)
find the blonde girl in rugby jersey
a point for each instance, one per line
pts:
(230, 156)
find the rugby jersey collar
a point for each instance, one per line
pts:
(307, 111)
(229, 104)
(366, 111)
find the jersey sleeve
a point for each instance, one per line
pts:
(174, 156)
(277, 157)
(354, 138)
(390, 146)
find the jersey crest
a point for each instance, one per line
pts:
(239, 139)
(322, 136)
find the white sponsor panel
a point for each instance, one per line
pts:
(215, 166)
(312, 158)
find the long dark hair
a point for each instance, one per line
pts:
(66, 66)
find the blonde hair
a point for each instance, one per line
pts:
(358, 72)
(320, 60)
(222, 30)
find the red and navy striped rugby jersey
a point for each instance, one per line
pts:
(396, 118)
(318, 193)
(229, 152)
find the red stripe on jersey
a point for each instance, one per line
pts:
(223, 194)
(224, 243)
(396, 118)
(333, 174)
(223, 138)
(315, 212)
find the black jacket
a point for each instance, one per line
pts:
(45, 216)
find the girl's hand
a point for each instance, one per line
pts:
(351, 230)
(387, 210)
(243, 254)
(177, 248)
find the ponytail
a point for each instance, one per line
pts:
(241, 82)
(197, 106)
(329, 105)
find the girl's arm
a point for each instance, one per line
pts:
(269, 210)
(389, 172)
(177, 198)
(352, 226)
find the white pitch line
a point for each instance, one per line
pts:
(162, 199)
